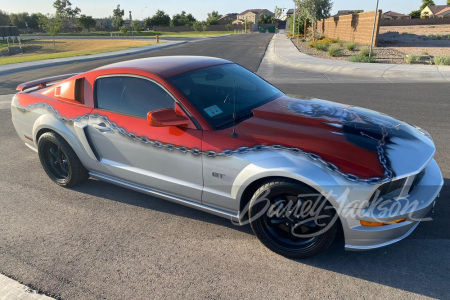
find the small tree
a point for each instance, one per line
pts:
(299, 19)
(248, 25)
(425, 15)
(228, 26)
(205, 26)
(124, 30)
(86, 22)
(448, 2)
(118, 16)
(196, 26)
(426, 3)
(315, 10)
(52, 25)
(137, 26)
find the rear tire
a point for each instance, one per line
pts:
(59, 160)
(292, 234)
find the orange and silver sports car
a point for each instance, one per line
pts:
(207, 133)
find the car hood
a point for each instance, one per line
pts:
(358, 141)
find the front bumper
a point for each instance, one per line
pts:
(414, 208)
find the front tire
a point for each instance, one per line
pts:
(59, 160)
(282, 214)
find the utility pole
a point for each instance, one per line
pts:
(131, 25)
(374, 27)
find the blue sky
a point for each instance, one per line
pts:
(199, 8)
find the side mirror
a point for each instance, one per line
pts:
(166, 117)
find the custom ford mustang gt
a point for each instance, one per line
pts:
(207, 133)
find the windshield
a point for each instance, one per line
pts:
(218, 91)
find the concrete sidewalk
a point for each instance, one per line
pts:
(282, 51)
(11, 289)
(19, 67)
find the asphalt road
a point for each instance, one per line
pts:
(99, 241)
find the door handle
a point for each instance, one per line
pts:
(101, 127)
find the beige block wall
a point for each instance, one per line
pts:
(351, 28)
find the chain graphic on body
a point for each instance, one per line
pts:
(226, 153)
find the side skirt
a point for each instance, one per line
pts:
(215, 211)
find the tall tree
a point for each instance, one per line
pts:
(213, 18)
(182, 19)
(33, 21)
(315, 10)
(448, 2)
(160, 18)
(20, 20)
(426, 3)
(118, 16)
(415, 14)
(279, 12)
(266, 19)
(4, 18)
(86, 22)
(65, 12)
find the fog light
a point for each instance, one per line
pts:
(377, 224)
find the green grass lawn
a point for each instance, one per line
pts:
(45, 49)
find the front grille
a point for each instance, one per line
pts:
(389, 190)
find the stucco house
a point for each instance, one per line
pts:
(252, 15)
(436, 11)
(227, 19)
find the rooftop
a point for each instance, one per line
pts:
(436, 9)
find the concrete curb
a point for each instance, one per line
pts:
(19, 67)
(284, 52)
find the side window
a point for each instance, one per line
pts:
(130, 96)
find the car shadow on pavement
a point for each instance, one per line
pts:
(130, 197)
(419, 264)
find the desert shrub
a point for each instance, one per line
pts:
(443, 60)
(340, 43)
(322, 46)
(366, 52)
(411, 58)
(335, 51)
(363, 56)
(362, 59)
(351, 46)
(328, 40)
